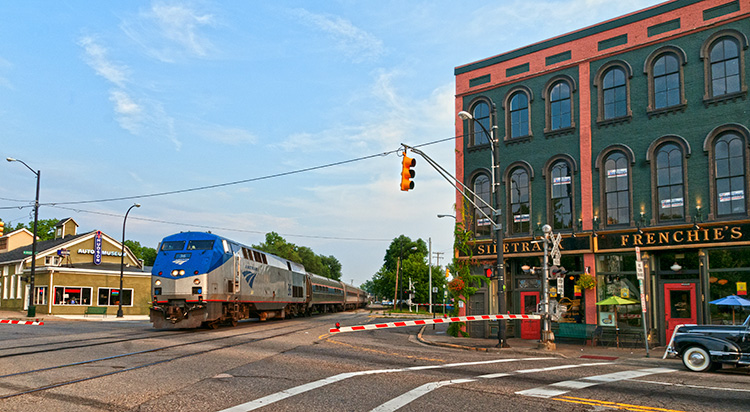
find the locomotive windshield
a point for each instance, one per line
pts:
(173, 245)
(200, 245)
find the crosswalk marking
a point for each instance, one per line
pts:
(287, 393)
(401, 401)
(560, 388)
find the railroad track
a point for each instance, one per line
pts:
(81, 371)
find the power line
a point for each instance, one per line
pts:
(218, 227)
(237, 182)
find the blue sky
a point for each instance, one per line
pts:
(120, 99)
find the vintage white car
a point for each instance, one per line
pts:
(708, 347)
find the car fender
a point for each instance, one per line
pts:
(720, 349)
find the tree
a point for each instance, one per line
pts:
(147, 254)
(327, 266)
(45, 228)
(414, 265)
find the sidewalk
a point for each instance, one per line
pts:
(437, 336)
(21, 315)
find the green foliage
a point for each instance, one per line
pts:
(147, 254)
(45, 228)
(413, 255)
(464, 283)
(327, 266)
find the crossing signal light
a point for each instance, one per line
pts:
(407, 173)
(488, 272)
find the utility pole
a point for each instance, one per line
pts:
(429, 272)
(548, 340)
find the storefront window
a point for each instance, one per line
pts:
(72, 295)
(729, 275)
(616, 277)
(111, 297)
(40, 295)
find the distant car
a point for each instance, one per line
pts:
(708, 347)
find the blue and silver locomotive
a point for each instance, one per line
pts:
(200, 279)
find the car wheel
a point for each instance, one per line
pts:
(697, 359)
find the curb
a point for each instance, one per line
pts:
(535, 352)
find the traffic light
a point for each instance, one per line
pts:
(407, 173)
(447, 273)
(2, 227)
(557, 271)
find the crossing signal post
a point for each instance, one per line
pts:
(407, 173)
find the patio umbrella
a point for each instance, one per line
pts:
(615, 301)
(733, 301)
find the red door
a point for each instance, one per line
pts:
(530, 329)
(679, 304)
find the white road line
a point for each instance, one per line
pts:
(403, 400)
(408, 397)
(287, 393)
(560, 388)
(682, 385)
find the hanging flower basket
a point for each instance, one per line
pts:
(456, 285)
(586, 281)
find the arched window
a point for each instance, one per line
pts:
(481, 112)
(725, 67)
(520, 206)
(560, 106)
(670, 187)
(612, 81)
(723, 55)
(617, 189)
(519, 115)
(614, 96)
(481, 187)
(666, 82)
(561, 195)
(729, 169)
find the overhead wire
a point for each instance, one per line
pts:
(214, 186)
(144, 219)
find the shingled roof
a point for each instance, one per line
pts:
(17, 254)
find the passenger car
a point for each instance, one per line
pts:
(707, 347)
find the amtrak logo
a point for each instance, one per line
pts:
(249, 276)
(180, 261)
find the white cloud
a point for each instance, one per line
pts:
(96, 57)
(356, 43)
(170, 32)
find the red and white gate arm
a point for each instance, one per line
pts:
(371, 326)
(21, 322)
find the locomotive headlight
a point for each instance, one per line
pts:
(196, 281)
(175, 272)
(158, 282)
(182, 272)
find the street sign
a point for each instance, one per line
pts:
(639, 269)
(27, 252)
(561, 286)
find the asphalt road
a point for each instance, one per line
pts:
(295, 364)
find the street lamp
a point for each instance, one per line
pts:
(502, 342)
(32, 309)
(442, 216)
(122, 259)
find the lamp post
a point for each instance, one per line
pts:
(499, 267)
(32, 309)
(122, 259)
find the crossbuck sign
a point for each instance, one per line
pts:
(556, 249)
